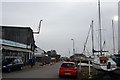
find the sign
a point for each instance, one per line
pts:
(14, 44)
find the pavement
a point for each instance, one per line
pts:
(37, 65)
(84, 64)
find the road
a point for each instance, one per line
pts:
(51, 71)
(47, 71)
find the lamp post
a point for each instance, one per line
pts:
(73, 46)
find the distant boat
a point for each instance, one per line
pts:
(101, 61)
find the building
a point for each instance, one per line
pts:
(78, 57)
(17, 42)
(41, 56)
(39, 52)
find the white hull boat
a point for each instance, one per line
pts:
(104, 65)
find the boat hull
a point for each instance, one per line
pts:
(104, 67)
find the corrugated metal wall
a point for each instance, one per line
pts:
(18, 34)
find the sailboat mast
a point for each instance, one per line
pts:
(113, 37)
(92, 38)
(100, 27)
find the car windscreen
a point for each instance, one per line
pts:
(68, 65)
(7, 61)
(117, 57)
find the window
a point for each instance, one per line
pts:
(68, 65)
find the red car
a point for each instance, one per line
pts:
(68, 69)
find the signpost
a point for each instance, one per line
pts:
(89, 59)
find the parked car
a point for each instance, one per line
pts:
(53, 61)
(68, 69)
(10, 64)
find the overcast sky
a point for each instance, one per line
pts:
(63, 21)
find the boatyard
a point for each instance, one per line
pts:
(64, 40)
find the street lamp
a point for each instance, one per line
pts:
(73, 46)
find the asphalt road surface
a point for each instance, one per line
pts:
(51, 71)
(47, 71)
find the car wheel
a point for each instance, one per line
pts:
(75, 76)
(60, 76)
(21, 67)
(9, 70)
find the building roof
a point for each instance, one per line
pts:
(19, 26)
